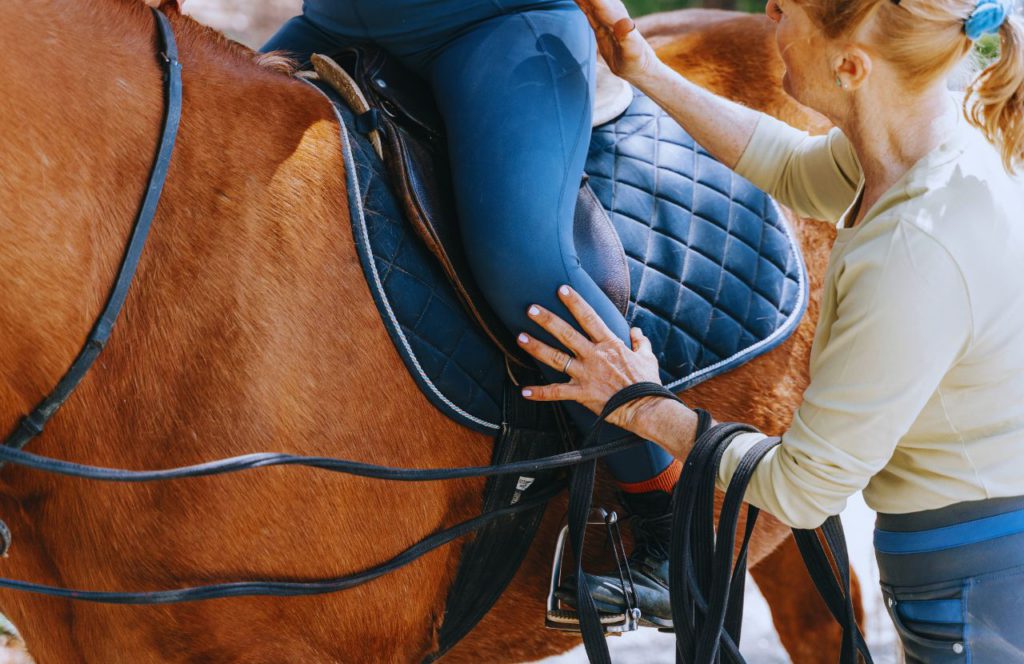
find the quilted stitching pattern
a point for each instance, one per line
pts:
(717, 279)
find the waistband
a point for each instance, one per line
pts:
(960, 540)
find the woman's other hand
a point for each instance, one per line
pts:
(623, 47)
(600, 364)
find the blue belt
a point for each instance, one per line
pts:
(949, 537)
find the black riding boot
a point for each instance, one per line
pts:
(650, 519)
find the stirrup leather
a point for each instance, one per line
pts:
(567, 619)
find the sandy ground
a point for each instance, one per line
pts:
(760, 645)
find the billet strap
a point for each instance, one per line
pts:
(706, 585)
(33, 424)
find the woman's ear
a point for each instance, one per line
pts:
(852, 68)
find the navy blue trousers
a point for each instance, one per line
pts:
(514, 82)
(953, 581)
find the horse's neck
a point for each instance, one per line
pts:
(249, 256)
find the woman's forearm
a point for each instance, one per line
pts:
(720, 126)
(668, 423)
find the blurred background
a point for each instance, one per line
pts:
(253, 22)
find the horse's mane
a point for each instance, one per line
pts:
(194, 37)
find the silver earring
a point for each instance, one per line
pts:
(839, 82)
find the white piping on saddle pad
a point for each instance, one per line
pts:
(377, 283)
(787, 328)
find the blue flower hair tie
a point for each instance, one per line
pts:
(987, 18)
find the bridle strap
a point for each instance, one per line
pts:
(587, 456)
(275, 588)
(33, 424)
(581, 491)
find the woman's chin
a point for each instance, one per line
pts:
(793, 91)
(787, 86)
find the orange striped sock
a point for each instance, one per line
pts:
(663, 481)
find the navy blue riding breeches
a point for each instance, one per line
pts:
(513, 80)
(953, 581)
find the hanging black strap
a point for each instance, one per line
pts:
(267, 587)
(33, 424)
(829, 566)
(587, 457)
(706, 584)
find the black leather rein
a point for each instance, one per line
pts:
(33, 424)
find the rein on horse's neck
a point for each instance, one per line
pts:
(77, 165)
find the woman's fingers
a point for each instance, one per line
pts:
(554, 358)
(559, 329)
(623, 27)
(641, 344)
(556, 392)
(607, 12)
(585, 315)
(588, 11)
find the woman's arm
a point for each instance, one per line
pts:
(721, 126)
(903, 318)
(815, 176)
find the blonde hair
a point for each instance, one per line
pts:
(925, 40)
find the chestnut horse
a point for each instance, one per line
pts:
(250, 328)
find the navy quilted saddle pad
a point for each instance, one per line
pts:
(717, 277)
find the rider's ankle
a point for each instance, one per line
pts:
(664, 481)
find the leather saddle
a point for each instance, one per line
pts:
(395, 109)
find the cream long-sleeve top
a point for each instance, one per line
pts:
(917, 369)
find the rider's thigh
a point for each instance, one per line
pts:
(515, 92)
(300, 38)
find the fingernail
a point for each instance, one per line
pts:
(527, 393)
(523, 339)
(564, 290)
(534, 311)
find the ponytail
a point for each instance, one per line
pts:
(995, 100)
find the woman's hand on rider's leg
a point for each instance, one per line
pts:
(623, 47)
(599, 366)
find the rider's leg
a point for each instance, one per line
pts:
(299, 37)
(513, 79)
(515, 92)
